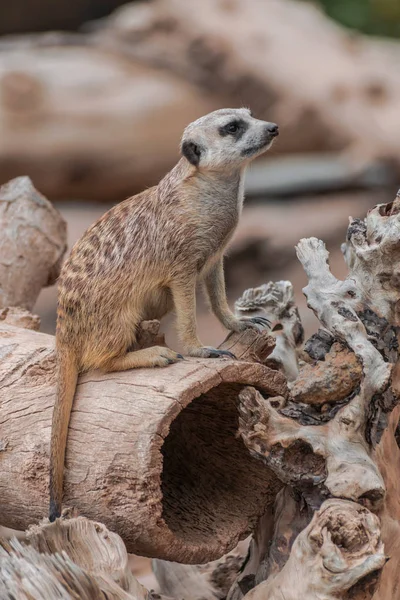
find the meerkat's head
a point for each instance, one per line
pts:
(226, 138)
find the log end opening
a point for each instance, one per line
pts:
(213, 490)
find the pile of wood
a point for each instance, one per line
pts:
(293, 443)
(104, 110)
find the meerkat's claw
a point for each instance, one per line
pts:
(261, 321)
(167, 357)
(255, 322)
(215, 353)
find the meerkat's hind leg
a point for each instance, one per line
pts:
(156, 356)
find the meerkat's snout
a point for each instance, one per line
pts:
(272, 130)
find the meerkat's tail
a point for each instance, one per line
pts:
(66, 385)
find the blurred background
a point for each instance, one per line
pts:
(94, 95)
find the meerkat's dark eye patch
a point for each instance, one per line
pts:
(234, 128)
(192, 152)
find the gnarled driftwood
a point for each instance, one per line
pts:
(334, 435)
(33, 241)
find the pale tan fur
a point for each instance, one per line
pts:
(145, 256)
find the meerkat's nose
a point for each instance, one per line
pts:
(273, 129)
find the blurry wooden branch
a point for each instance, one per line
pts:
(86, 122)
(100, 114)
(251, 52)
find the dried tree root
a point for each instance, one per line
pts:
(335, 433)
(275, 301)
(331, 459)
(211, 581)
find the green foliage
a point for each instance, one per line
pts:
(376, 17)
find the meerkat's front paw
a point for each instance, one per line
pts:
(164, 356)
(250, 323)
(209, 352)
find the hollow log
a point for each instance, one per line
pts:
(153, 454)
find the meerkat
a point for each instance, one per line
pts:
(144, 257)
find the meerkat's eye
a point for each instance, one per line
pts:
(233, 127)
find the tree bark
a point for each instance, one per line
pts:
(153, 454)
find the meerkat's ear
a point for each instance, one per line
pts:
(191, 151)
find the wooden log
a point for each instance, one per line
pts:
(88, 123)
(153, 454)
(33, 242)
(241, 49)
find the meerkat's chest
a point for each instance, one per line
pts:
(217, 230)
(224, 217)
